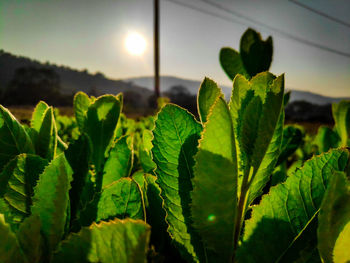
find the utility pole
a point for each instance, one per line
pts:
(156, 48)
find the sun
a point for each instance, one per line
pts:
(135, 44)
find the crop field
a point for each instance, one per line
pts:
(235, 184)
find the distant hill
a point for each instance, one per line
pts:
(139, 88)
(71, 80)
(167, 82)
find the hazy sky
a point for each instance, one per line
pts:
(90, 34)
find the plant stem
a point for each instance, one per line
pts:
(241, 211)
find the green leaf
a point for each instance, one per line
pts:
(176, 135)
(100, 126)
(256, 54)
(292, 139)
(81, 105)
(326, 139)
(10, 251)
(78, 156)
(14, 139)
(155, 212)
(341, 115)
(231, 63)
(290, 209)
(38, 115)
(286, 98)
(207, 95)
(117, 241)
(119, 162)
(46, 143)
(18, 179)
(122, 199)
(214, 195)
(30, 238)
(341, 249)
(50, 200)
(145, 154)
(268, 163)
(333, 218)
(255, 108)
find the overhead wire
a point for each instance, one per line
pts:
(256, 22)
(334, 19)
(278, 31)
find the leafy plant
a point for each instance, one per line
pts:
(210, 172)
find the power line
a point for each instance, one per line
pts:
(206, 12)
(278, 31)
(334, 19)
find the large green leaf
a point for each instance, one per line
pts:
(175, 143)
(14, 139)
(119, 162)
(10, 251)
(333, 218)
(255, 108)
(51, 199)
(117, 241)
(100, 126)
(18, 179)
(46, 142)
(122, 199)
(256, 54)
(290, 209)
(81, 105)
(207, 95)
(231, 63)
(214, 195)
(341, 115)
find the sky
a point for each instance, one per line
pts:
(90, 34)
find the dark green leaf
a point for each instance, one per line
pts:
(256, 54)
(10, 251)
(231, 63)
(78, 155)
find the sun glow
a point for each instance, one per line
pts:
(135, 44)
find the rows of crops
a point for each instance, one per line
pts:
(234, 185)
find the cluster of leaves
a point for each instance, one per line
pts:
(75, 203)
